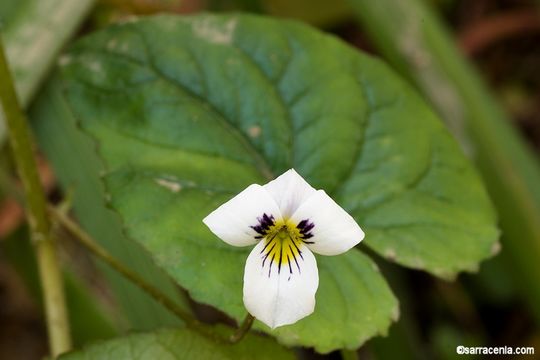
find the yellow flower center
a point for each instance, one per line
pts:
(283, 242)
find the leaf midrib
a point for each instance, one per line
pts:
(260, 161)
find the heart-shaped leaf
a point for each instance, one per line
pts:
(186, 112)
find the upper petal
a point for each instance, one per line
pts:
(237, 220)
(280, 293)
(289, 190)
(329, 230)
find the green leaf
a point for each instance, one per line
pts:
(180, 344)
(34, 31)
(421, 201)
(186, 112)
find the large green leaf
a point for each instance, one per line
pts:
(180, 344)
(186, 112)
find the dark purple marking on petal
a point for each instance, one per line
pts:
(264, 224)
(305, 227)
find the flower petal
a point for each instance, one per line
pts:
(280, 293)
(237, 220)
(289, 190)
(327, 228)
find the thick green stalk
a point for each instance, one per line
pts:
(412, 38)
(49, 270)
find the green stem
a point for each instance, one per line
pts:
(242, 330)
(86, 240)
(44, 246)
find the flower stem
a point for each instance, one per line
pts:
(243, 329)
(44, 246)
(86, 240)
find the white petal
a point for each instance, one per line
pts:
(334, 231)
(289, 191)
(280, 296)
(232, 222)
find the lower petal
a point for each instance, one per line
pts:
(280, 285)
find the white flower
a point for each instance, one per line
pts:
(287, 219)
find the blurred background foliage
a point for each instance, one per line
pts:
(475, 61)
